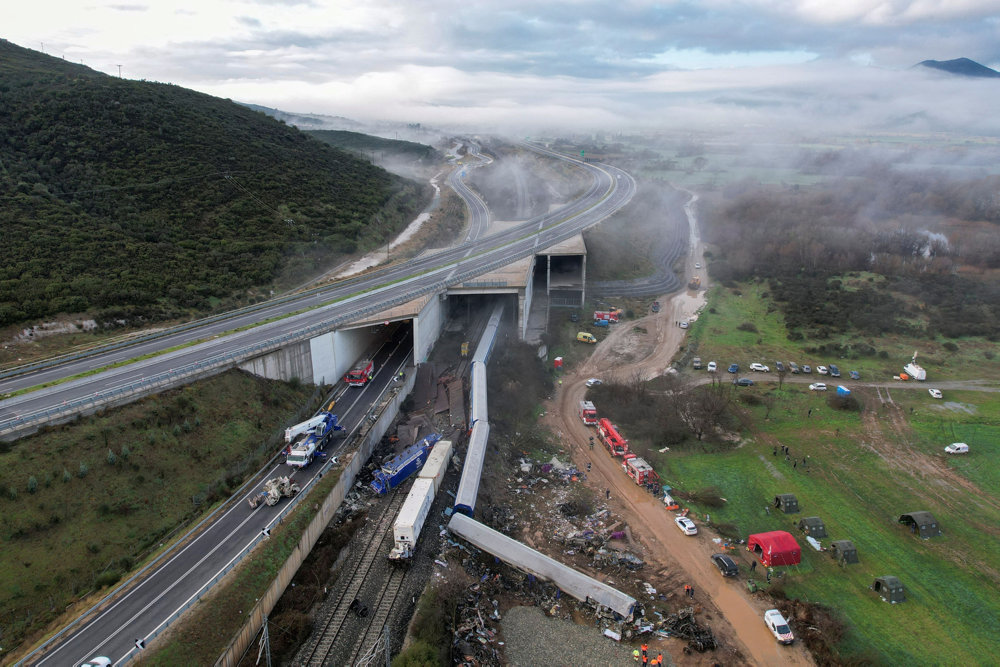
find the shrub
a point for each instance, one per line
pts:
(82, 472)
(747, 326)
(111, 458)
(66, 476)
(109, 578)
(125, 452)
(950, 346)
(12, 493)
(32, 484)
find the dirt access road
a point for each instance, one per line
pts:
(736, 618)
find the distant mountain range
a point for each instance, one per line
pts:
(962, 67)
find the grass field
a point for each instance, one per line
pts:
(85, 503)
(719, 336)
(864, 468)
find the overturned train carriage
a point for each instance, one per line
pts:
(570, 581)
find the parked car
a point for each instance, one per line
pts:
(593, 382)
(574, 317)
(794, 368)
(734, 368)
(817, 386)
(935, 393)
(727, 566)
(761, 368)
(957, 448)
(743, 382)
(684, 324)
(807, 369)
(697, 265)
(686, 525)
(822, 370)
(711, 367)
(834, 371)
(854, 375)
(779, 367)
(778, 626)
(696, 363)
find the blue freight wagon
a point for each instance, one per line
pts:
(395, 472)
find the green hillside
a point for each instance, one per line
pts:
(134, 201)
(365, 143)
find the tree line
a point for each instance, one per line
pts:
(878, 252)
(133, 201)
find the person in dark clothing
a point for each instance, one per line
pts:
(753, 566)
(607, 493)
(691, 592)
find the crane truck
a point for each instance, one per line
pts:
(304, 440)
(616, 444)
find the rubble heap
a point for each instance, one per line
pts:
(684, 626)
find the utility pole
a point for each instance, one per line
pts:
(119, 71)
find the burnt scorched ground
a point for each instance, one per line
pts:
(546, 506)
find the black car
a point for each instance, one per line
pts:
(780, 367)
(727, 566)
(743, 382)
(834, 371)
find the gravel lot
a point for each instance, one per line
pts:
(534, 639)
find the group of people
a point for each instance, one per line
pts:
(658, 660)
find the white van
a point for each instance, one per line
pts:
(957, 448)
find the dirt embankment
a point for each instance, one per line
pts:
(627, 352)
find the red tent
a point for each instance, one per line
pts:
(775, 548)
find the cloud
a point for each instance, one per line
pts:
(761, 63)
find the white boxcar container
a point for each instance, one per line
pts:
(437, 463)
(406, 529)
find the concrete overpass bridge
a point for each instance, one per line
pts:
(317, 335)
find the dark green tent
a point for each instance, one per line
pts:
(889, 588)
(844, 552)
(923, 523)
(812, 526)
(787, 503)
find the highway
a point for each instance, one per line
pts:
(325, 307)
(148, 605)
(169, 587)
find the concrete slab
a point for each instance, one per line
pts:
(574, 245)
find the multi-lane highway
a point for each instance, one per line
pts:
(143, 610)
(610, 189)
(147, 606)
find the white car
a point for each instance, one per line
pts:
(712, 367)
(686, 525)
(778, 626)
(759, 367)
(935, 393)
(957, 448)
(817, 386)
(593, 382)
(684, 324)
(697, 265)
(822, 370)
(99, 661)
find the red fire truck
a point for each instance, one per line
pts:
(362, 372)
(609, 315)
(641, 472)
(588, 413)
(616, 444)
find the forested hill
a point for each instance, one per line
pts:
(365, 143)
(134, 201)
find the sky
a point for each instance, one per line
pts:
(528, 66)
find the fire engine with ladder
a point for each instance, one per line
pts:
(616, 444)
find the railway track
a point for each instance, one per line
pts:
(332, 633)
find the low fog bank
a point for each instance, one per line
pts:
(821, 98)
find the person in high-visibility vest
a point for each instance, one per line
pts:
(635, 654)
